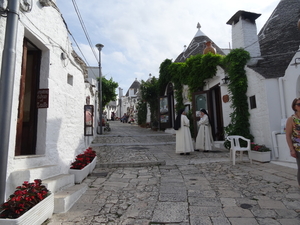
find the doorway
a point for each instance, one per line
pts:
(166, 108)
(211, 101)
(27, 112)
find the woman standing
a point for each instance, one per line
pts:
(293, 134)
(184, 142)
(204, 138)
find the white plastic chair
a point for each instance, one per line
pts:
(235, 146)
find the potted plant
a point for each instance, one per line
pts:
(31, 203)
(83, 165)
(260, 153)
(89, 152)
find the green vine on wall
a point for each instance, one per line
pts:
(194, 73)
(234, 64)
(201, 68)
(197, 69)
(149, 94)
(164, 76)
(178, 74)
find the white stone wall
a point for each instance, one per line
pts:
(61, 126)
(129, 103)
(266, 92)
(260, 119)
(291, 85)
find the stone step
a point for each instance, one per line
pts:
(18, 177)
(59, 182)
(65, 199)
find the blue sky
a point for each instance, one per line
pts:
(138, 35)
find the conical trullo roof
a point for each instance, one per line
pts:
(279, 39)
(197, 46)
(134, 86)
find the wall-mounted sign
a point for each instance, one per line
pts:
(164, 109)
(88, 120)
(42, 98)
(225, 98)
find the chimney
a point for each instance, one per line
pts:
(244, 34)
(131, 92)
(120, 92)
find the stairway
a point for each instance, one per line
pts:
(66, 192)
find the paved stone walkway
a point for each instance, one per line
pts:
(139, 180)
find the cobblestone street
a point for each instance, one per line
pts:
(139, 180)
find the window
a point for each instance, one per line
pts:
(70, 79)
(252, 102)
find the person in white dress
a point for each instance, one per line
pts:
(184, 142)
(204, 139)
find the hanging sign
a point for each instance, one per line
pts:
(42, 98)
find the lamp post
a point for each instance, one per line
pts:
(100, 46)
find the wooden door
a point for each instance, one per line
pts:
(210, 101)
(27, 111)
(216, 113)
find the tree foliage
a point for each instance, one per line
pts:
(149, 93)
(142, 112)
(108, 90)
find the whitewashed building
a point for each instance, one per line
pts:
(93, 75)
(273, 75)
(128, 103)
(50, 90)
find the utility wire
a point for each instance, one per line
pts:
(84, 28)
(78, 47)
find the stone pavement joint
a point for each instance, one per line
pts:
(139, 180)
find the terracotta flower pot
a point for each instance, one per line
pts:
(209, 48)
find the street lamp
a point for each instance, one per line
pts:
(100, 46)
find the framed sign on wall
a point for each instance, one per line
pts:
(88, 120)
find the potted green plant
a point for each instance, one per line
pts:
(260, 153)
(31, 203)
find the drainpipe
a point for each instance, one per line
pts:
(6, 87)
(274, 143)
(281, 95)
(283, 116)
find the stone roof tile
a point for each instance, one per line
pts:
(279, 39)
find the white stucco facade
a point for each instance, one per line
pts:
(60, 128)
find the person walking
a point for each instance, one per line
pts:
(292, 132)
(112, 116)
(204, 139)
(184, 142)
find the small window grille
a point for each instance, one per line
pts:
(252, 102)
